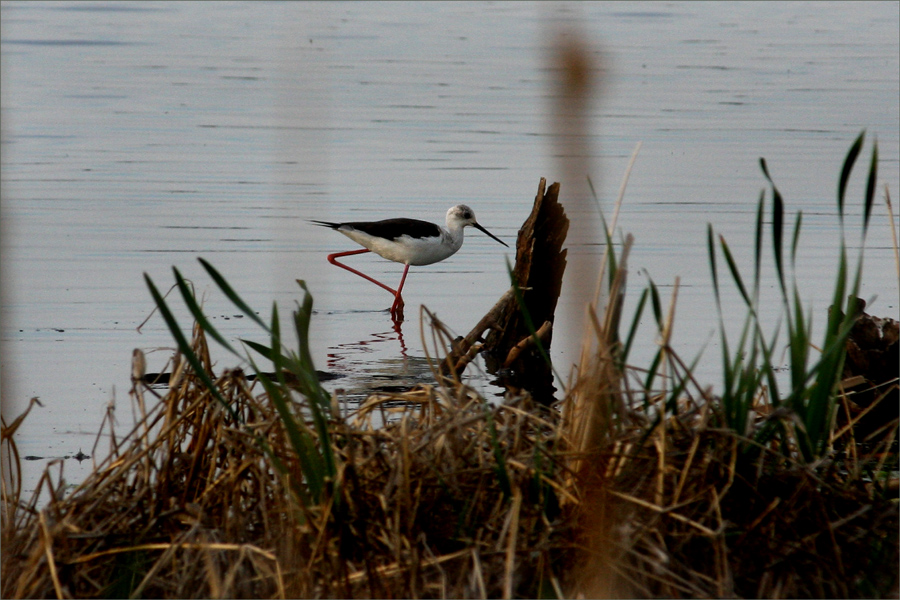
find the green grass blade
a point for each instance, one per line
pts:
(769, 370)
(828, 370)
(738, 375)
(845, 172)
(610, 252)
(230, 293)
(735, 274)
(657, 305)
(796, 238)
(302, 321)
(185, 348)
(777, 228)
(711, 251)
(201, 319)
(632, 332)
(303, 367)
(758, 246)
(799, 340)
(320, 461)
(764, 167)
(651, 374)
(870, 188)
(265, 351)
(778, 237)
(299, 437)
(593, 191)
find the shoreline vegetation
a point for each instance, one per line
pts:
(639, 482)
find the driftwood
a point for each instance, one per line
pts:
(164, 379)
(510, 345)
(870, 377)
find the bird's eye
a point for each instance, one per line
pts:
(467, 215)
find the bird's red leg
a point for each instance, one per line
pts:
(332, 258)
(397, 307)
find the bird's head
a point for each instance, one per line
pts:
(462, 216)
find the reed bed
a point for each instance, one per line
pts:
(436, 495)
(638, 483)
(439, 494)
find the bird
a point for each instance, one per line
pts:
(406, 241)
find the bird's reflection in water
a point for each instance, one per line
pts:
(343, 352)
(391, 371)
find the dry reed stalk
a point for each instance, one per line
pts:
(896, 245)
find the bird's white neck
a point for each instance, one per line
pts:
(453, 234)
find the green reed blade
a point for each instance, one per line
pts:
(777, 227)
(796, 238)
(711, 251)
(265, 351)
(321, 456)
(230, 293)
(639, 310)
(778, 237)
(304, 369)
(657, 305)
(735, 274)
(758, 246)
(849, 161)
(799, 340)
(185, 348)
(302, 319)
(201, 319)
(870, 187)
(651, 372)
(300, 438)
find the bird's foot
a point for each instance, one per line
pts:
(397, 309)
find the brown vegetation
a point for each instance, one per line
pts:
(440, 494)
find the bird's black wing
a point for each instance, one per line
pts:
(391, 229)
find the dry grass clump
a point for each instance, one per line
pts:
(186, 505)
(463, 498)
(693, 516)
(437, 494)
(440, 494)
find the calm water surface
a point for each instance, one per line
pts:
(138, 136)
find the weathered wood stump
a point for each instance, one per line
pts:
(870, 372)
(520, 325)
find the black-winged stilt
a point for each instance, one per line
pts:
(407, 241)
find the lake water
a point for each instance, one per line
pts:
(140, 136)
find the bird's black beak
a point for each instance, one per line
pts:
(488, 233)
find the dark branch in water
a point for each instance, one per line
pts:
(509, 330)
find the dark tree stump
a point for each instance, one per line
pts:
(870, 371)
(509, 347)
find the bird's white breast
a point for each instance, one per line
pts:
(406, 249)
